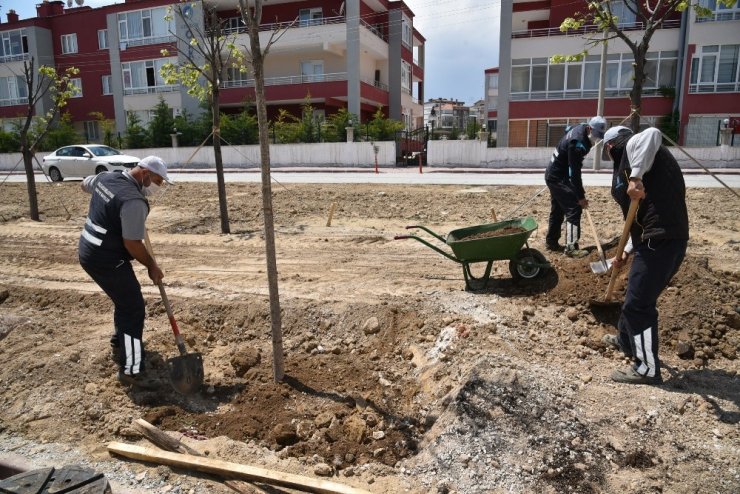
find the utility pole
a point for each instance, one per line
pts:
(600, 104)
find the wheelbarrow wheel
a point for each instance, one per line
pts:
(528, 264)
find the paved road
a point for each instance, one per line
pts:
(411, 176)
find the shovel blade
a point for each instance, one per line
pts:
(600, 267)
(186, 373)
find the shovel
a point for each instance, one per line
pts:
(186, 370)
(607, 301)
(601, 266)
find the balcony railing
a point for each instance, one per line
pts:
(377, 84)
(13, 101)
(720, 16)
(155, 40)
(580, 94)
(724, 87)
(14, 58)
(323, 21)
(288, 80)
(555, 31)
(167, 88)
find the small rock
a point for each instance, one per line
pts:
(323, 419)
(586, 378)
(572, 314)
(371, 326)
(323, 470)
(685, 350)
(378, 435)
(74, 356)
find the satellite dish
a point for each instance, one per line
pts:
(79, 2)
(69, 3)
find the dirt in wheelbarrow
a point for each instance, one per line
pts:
(501, 232)
(397, 379)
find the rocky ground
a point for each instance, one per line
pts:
(397, 378)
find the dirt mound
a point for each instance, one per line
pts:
(397, 379)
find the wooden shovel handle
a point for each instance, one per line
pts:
(165, 300)
(596, 236)
(622, 242)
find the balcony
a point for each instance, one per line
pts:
(287, 80)
(166, 88)
(711, 87)
(555, 31)
(13, 101)
(156, 40)
(297, 24)
(580, 94)
(14, 58)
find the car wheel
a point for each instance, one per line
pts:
(55, 174)
(100, 169)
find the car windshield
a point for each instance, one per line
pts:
(104, 151)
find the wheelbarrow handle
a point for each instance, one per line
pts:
(435, 235)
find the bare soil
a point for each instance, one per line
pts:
(397, 379)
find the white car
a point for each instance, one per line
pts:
(85, 159)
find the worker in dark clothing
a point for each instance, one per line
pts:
(563, 178)
(646, 171)
(113, 235)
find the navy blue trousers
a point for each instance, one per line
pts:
(655, 262)
(129, 309)
(563, 205)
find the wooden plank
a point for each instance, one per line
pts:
(162, 439)
(231, 470)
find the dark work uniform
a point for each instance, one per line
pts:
(104, 257)
(563, 178)
(659, 236)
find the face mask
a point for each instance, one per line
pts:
(152, 190)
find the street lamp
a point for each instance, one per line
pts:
(432, 118)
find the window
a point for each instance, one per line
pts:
(233, 25)
(405, 76)
(310, 17)
(106, 80)
(144, 26)
(102, 39)
(312, 71)
(69, 43)
(720, 12)
(76, 82)
(13, 91)
(406, 28)
(624, 11)
(144, 77)
(716, 69)
(13, 45)
(91, 130)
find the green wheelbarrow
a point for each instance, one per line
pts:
(505, 240)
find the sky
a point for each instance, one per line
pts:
(461, 42)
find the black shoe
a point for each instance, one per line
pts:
(630, 376)
(612, 341)
(554, 247)
(575, 253)
(140, 380)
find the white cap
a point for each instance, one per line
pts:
(598, 127)
(155, 165)
(609, 136)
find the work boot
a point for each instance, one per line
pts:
(612, 341)
(140, 380)
(630, 376)
(554, 247)
(115, 354)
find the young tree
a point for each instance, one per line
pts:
(206, 55)
(650, 14)
(47, 82)
(161, 125)
(136, 136)
(107, 125)
(251, 11)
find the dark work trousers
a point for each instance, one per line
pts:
(120, 284)
(563, 205)
(655, 262)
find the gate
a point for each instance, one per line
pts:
(410, 144)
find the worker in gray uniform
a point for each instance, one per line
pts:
(113, 235)
(563, 179)
(646, 171)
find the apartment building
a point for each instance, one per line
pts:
(443, 115)
(693, 69)
(354, 54)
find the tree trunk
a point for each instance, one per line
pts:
(219, 162)
(30, 183)
(272, 273)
